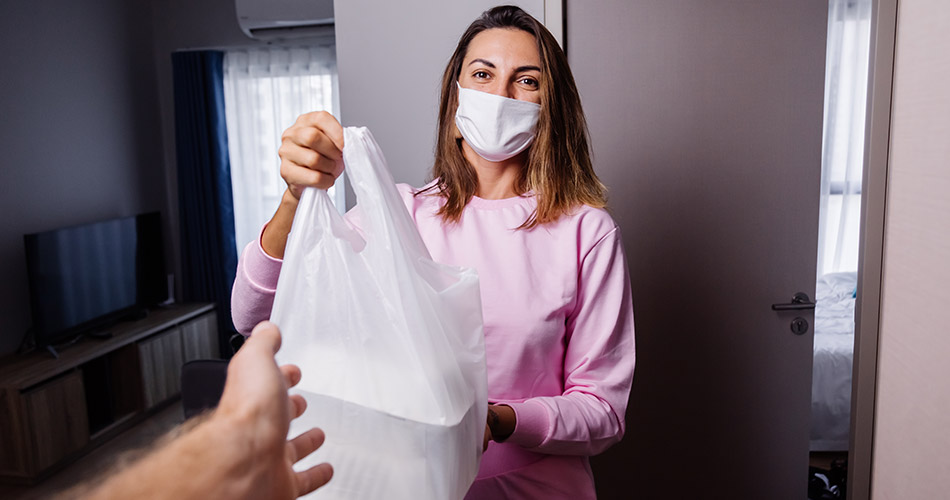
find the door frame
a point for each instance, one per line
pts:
(871, 250)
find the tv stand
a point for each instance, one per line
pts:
(53, 411)
(137, 314)
(101, 334)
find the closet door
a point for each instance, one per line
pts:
(706, 122)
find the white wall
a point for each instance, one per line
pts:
(391, 56)
(911, 457)
(79, 140)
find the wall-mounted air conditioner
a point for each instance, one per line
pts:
(285, 19)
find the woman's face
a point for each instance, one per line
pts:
(503, 62)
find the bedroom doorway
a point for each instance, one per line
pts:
(843, 146)
(690, 121)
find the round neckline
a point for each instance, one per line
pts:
(483, 203)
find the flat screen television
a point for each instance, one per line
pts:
(82, 278)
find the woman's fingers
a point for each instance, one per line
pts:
(318, 131)
(312, 138)
(309, 159)
(326, 123)
(296, 175)
(311, 152)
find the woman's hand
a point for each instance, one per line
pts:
(311, 152)
(311, 155)
(500, 425)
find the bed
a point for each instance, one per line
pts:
(833, 354)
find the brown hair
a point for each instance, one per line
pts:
(559, 169)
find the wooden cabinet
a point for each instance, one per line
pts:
(55, 429)
(199, 338)
(161, 358)
(53, 411)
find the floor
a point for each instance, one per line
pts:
(146, 432)
(100, 459)
(823, 459)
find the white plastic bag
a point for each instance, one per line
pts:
(389, 342)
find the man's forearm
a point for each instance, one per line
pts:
(205, 462)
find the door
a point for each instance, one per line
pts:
(706, 121)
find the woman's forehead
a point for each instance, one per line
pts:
(504, 46)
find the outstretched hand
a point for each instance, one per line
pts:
(241, 450)
(256, 405)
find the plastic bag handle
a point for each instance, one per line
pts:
(376, 193)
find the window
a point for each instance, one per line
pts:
(265, 90)
(846, 82)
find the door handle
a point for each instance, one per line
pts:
(799, 301)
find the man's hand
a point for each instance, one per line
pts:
(256, 408)
(241, 449)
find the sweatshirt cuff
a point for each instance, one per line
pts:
(262, 269)
(531, 424)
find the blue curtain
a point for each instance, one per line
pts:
(205, 209)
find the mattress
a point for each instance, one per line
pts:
(833, 356)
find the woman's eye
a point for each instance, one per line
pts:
(531, 82)
(480, 74)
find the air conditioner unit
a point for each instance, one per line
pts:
(285, 19)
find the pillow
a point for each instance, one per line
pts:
(835, 287)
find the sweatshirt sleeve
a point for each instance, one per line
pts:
(255, 284)
(598, 364)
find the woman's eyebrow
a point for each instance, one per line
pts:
(490, 64)
(483, 61)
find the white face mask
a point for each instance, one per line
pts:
(496, 127)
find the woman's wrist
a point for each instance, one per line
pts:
(501, 421)
(274, 239)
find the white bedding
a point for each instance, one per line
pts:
(833, 354)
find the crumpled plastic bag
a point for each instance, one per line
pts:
(390, 343)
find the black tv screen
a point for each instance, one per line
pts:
(82, 277)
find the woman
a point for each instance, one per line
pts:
(514, 196)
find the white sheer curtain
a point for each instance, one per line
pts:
(846, 78)
(265, 90)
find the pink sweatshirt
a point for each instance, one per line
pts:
(558, 323)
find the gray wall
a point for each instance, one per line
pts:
(79, 137)
(184, 25)
(88, 119)
(390, 56)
